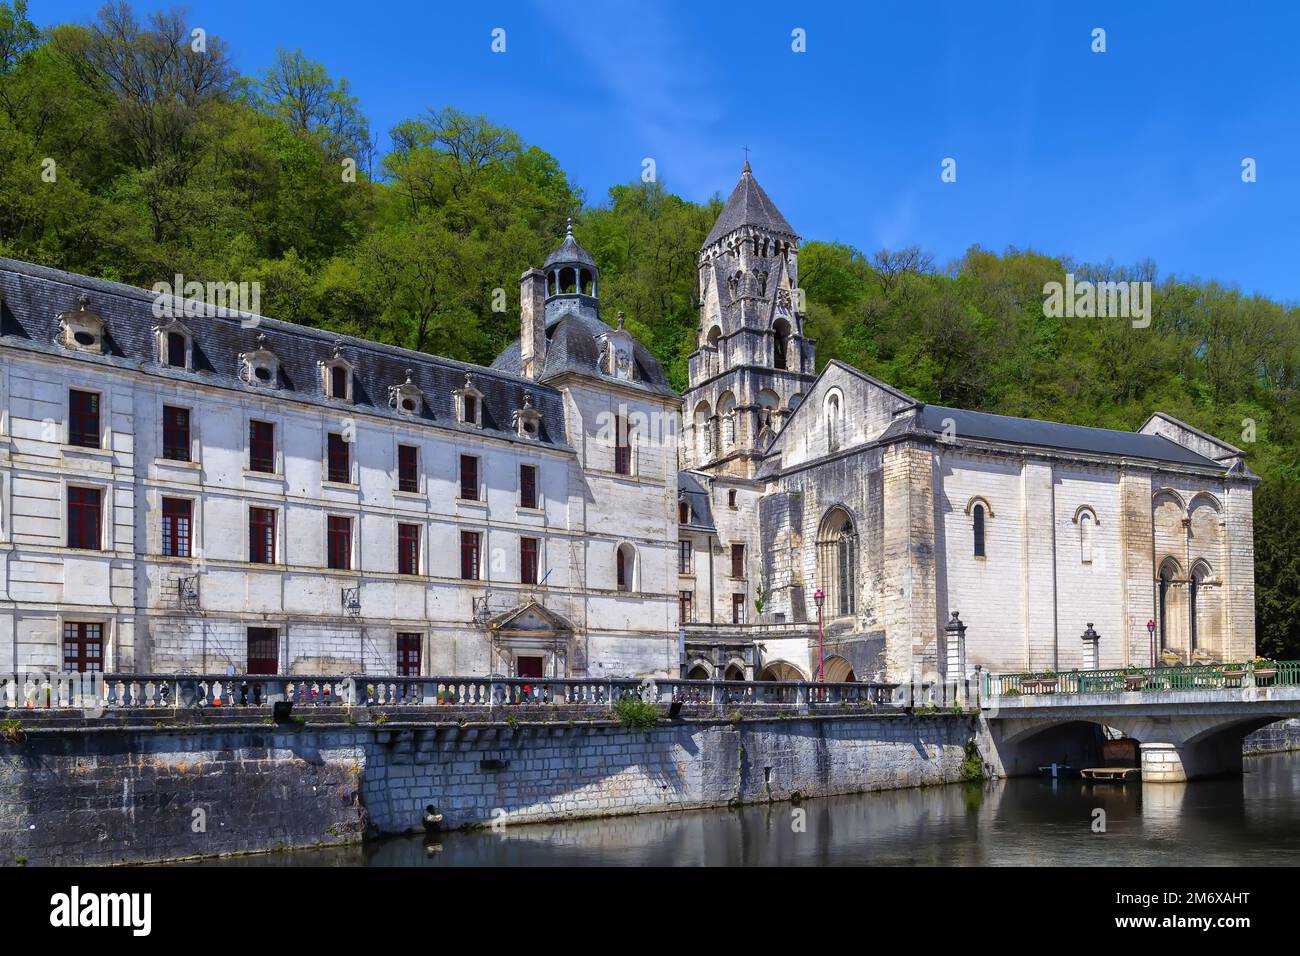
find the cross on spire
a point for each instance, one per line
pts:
(746, 149)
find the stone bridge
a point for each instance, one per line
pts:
(1182, 733)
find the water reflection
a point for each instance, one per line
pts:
(1246, 820)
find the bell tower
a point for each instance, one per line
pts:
(752, 364)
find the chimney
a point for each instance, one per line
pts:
(532, 323)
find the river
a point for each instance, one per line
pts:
(1247, 820)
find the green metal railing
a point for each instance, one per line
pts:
(1133, 679)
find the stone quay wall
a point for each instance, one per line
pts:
(1282, 735)
(80, 792)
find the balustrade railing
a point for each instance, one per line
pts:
(1132, 679)
(92, 693)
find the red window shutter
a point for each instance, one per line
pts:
(528, 560)
(263, 650)
(83, 647)
(469, 555)
(261, 446)
(261, 535)
(469, 477)
(527, 486)
(176, 523)
(408, 655)
(84, 519)
(737, 560)
(408, 549)
(340, 543)
(622, 447)
(176, 433)
(175, 350)
(83, 419)
(339, 467)
(407, 468)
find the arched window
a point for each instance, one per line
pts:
(833, 423)
(1166, 601)
(727, 419)
(703, 431)
(1195, 585)
(1087, 521)
(837, 563)
(780, 342)
(977, 524)
(625, 567)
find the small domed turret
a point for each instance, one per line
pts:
(570, 269)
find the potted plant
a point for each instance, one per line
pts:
(1134, 680)
(1265, 671)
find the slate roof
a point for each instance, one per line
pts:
(689, 487)
(571, 346)
(1054, 435)
(32, 298)
(749, 205)
(569, 252)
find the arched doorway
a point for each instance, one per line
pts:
(781, 670)
(734, 672)
(698, 672)
(837, 670)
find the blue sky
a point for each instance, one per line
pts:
(1120, 156)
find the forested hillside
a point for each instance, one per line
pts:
(127, 154)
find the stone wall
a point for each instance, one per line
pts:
(70, 794)
(1283, 735)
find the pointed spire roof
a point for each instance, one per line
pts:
(749, 206)
(569, 252)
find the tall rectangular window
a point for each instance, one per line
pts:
(469, 477)
(683, 557)
(176, 527)
(83, 647)
(738, 609)
(408, 654)
(263, 650)
(622, 447)
(83, 419)
(686, 606)
(340, 468)
(528, 486)
(338, 382)
(737, 560)
(175, 350)
(261, 447)
(529, 549)
(176, 433)
(339, 546)
(408, 475)
(469, 555)
(408, 549)
(84, 518)
(261, 535)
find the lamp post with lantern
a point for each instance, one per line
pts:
(819, 598)
(1151, 635)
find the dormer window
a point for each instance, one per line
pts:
(406, 398)
(260, 366)
(469, 403)
(616, 353)
(82, 330)
(528, 420)
(175, 345)
(336, 375)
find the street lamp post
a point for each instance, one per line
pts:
(818, 598)
(1151, 634)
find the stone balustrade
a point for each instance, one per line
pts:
(95, 693)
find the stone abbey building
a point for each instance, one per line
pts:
(220, 492)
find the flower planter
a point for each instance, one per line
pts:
(1135, 683)
(1265, 675)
